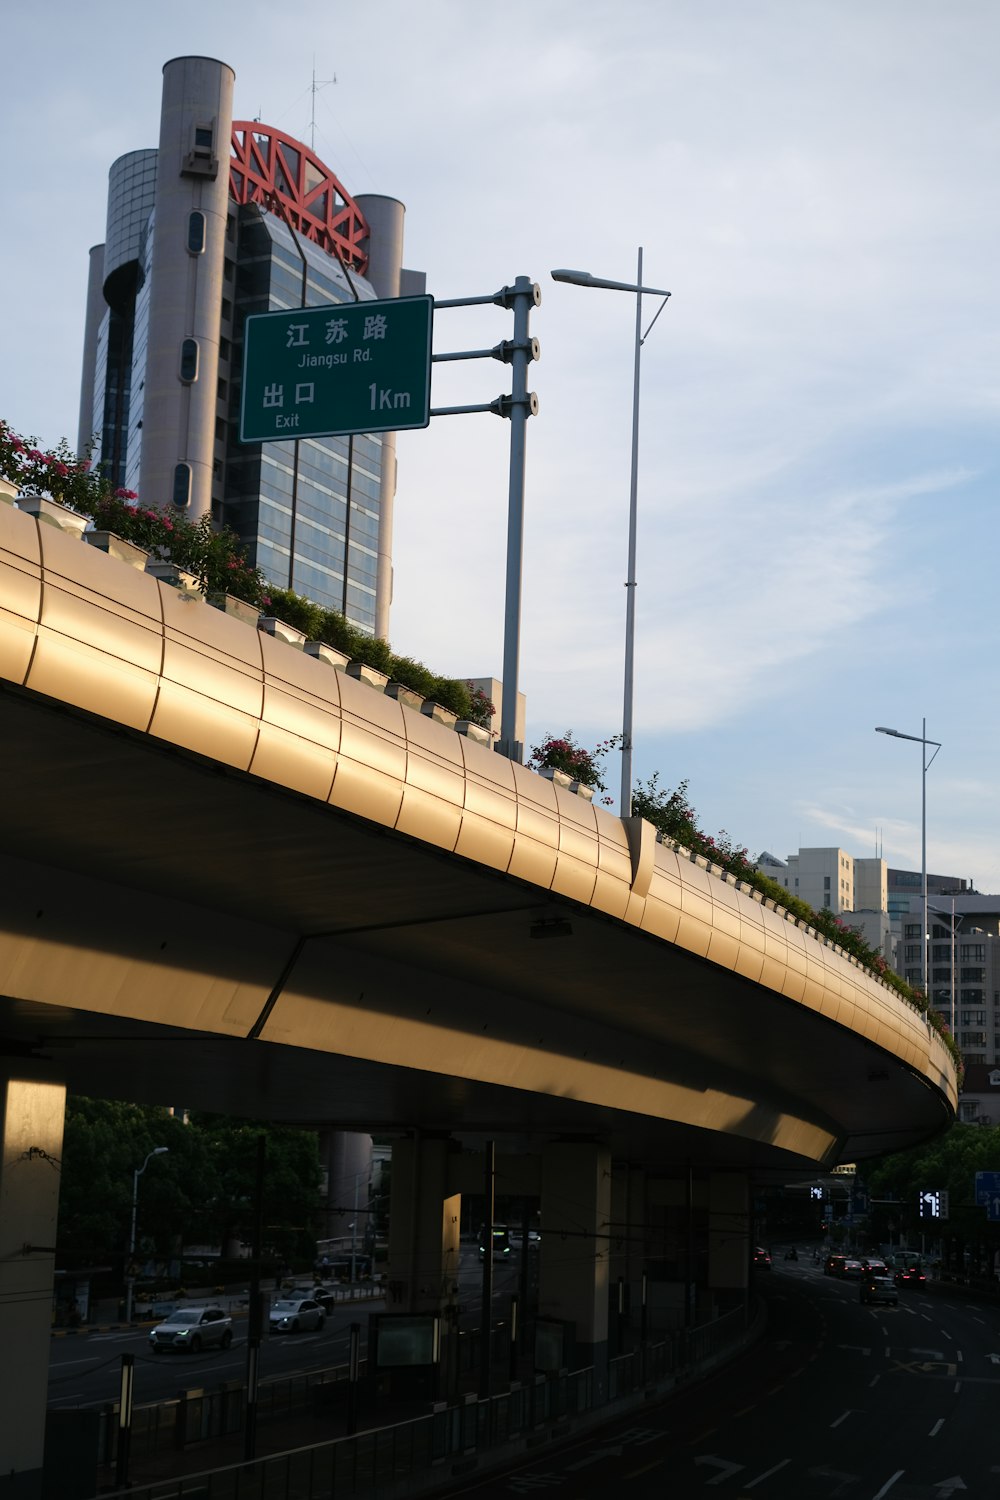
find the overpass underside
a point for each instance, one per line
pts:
(236, 877)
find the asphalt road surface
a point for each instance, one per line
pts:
(86, 1370)
(839, 1402)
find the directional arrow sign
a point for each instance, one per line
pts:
(727, 1470)
(949, 1486)
(994, 1359)
(988, 1194)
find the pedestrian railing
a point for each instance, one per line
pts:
(414, 1452)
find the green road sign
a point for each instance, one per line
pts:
(343, 368)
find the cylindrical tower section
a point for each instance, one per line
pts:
(87, 428)
(385, 262)
(186, 282)
(131, 198)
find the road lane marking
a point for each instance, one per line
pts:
(874, 1381)
(767, 1474)
(936, 1428)
(958, 1355)
(726, 1469)
(889, 1484)
(842, 1418)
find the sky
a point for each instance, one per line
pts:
(815, 182)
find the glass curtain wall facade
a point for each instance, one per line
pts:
(222, 220)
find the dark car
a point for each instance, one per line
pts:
(851, 1270)
(325, 1296)
(876, 1267)
(912, 1276)
(878, 1289)
(762, 1259)
(834, 1265)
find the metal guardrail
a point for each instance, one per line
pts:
(369, 1462)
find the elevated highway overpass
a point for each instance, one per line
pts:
(238, 879)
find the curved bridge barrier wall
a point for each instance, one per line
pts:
(87, 631)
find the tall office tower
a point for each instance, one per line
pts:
(224, 219)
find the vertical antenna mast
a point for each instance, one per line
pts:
(314, 90)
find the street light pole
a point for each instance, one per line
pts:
(584, 278)
(920, 739)
(130, 1277)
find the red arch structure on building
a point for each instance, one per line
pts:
(266, 165)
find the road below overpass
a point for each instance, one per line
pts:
(837, 1402)
(85, 1368)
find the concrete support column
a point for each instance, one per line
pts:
(728, 1238)
(574, 1275)
(424, 1224)
(31, 1132)
(628, 1238)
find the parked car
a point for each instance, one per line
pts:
(878, 1289)
(192, 1328)
(912, 1276)
(762, 1259)
(294, 1314)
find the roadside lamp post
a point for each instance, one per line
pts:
(920, 739)
(584, 278)
(130, 1278)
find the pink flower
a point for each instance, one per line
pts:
(61, 470)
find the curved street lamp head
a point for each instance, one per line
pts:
(584, 278)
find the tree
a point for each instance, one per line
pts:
(950, 1162)
(202, 1192)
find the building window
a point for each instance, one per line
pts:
(941, 952)
(973, 976)
(189, 361)
(973, 1018)
(973, 1039)
(196, 233)
(973, 953)
(911, 953)
(968, 1113)
(203, 136)
(182, 486)
(912, 930)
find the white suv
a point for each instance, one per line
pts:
(193, 1328)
